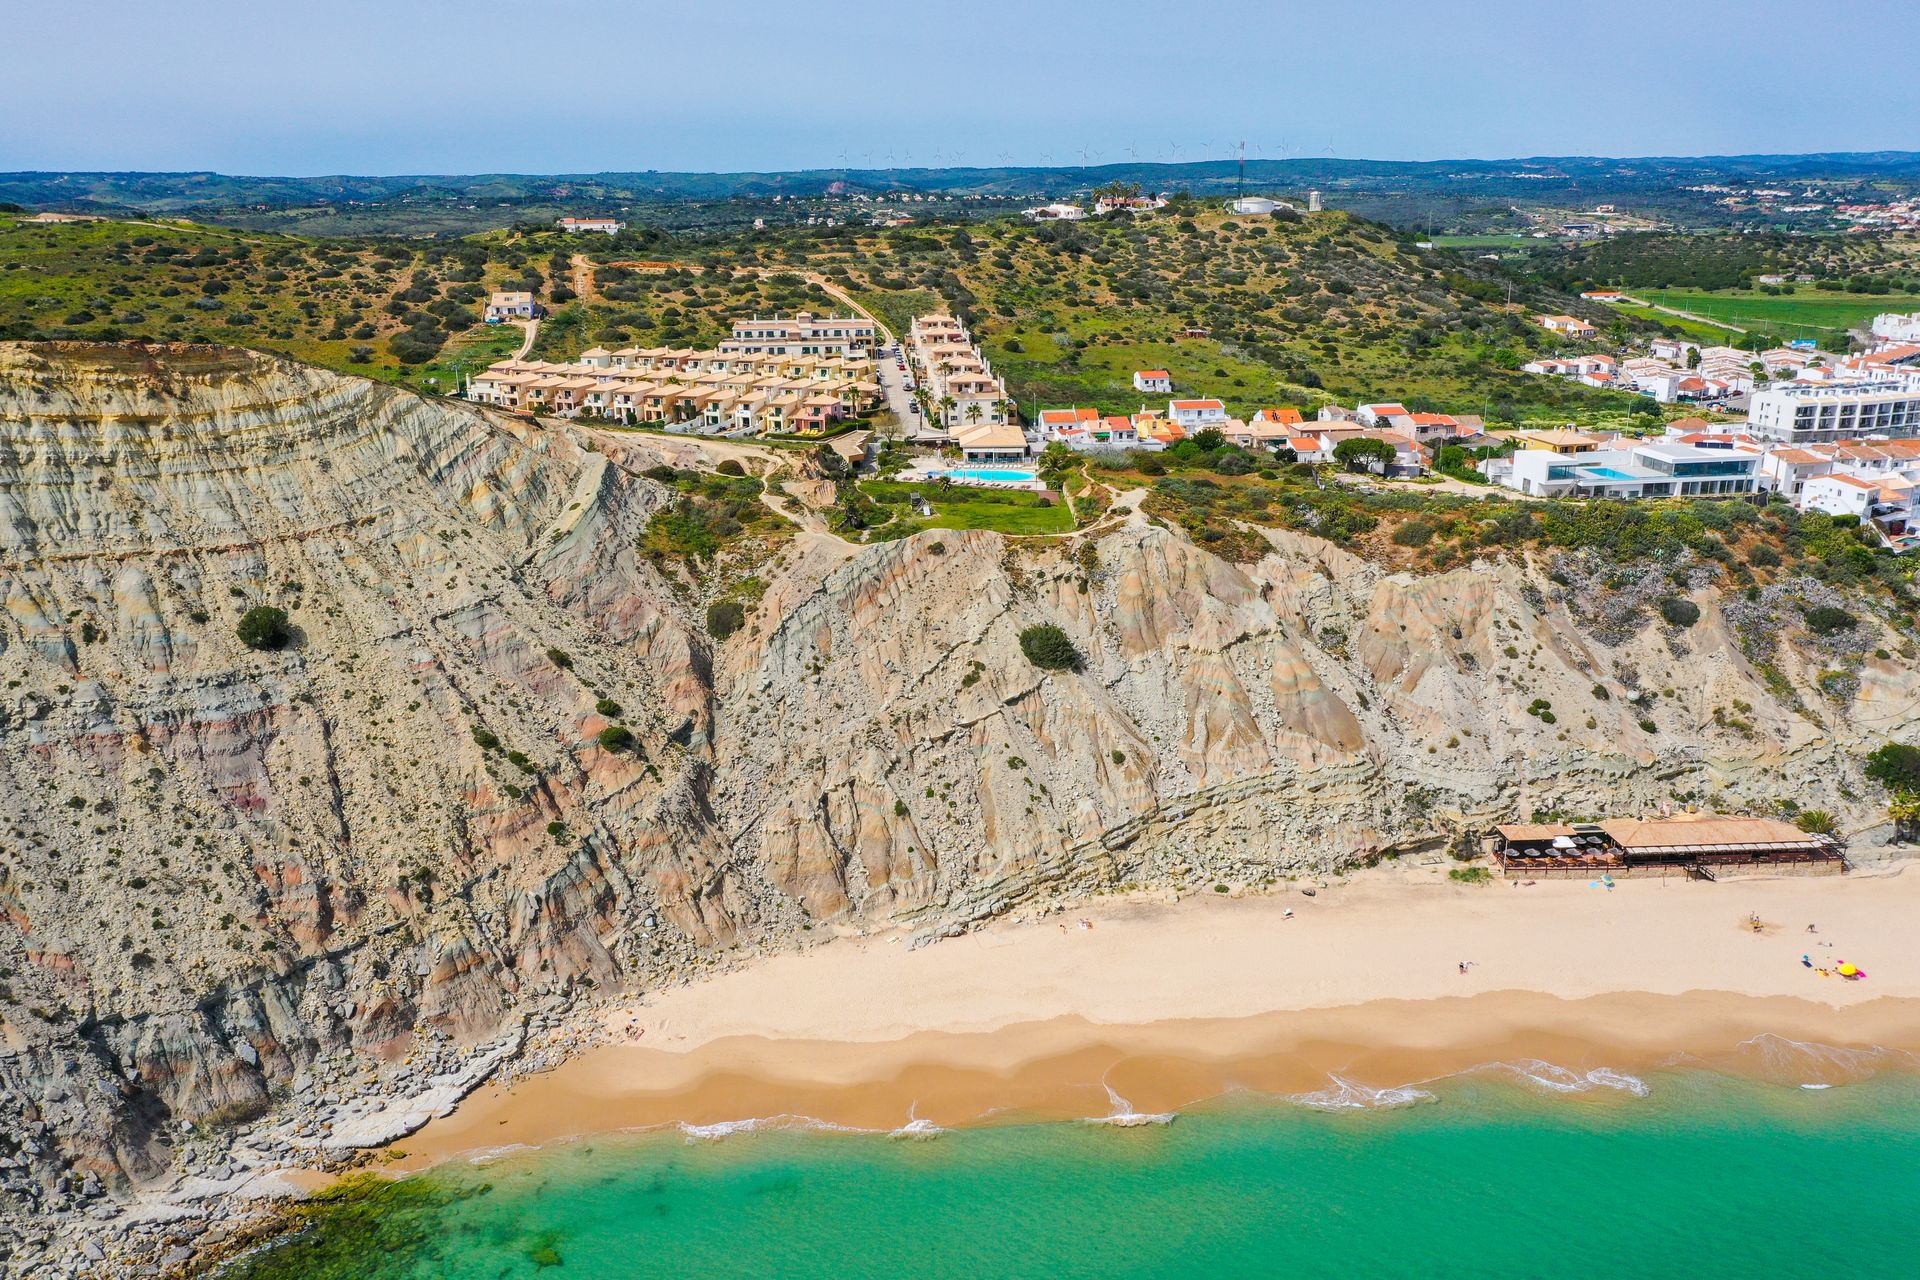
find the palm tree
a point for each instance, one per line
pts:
(1005, 409)
(973, 412)
(947, 404)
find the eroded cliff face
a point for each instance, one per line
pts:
(218, 865)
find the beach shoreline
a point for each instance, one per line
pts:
(1134, 1005)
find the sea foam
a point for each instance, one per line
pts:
(1554, 1078)
(1121, 1113)
(1347, 1095)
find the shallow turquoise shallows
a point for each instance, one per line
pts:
(1703, 1178)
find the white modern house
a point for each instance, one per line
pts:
(605, 226)
(1256, 206)
(1658, 470)
(1153, 381)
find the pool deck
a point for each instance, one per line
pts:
(928, 472)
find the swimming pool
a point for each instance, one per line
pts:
(1607, 473)
(990, 475)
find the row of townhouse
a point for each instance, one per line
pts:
(805, 334)
(961, 387)
(728, 396)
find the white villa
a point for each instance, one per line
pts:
(1197, 415)
(511, 305)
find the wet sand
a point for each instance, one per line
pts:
(1148, 1007)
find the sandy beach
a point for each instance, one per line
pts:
(1141, 1005)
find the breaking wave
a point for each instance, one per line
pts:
(1122, 1115)
(1781, 1060)
(754, 1124)
(1554, 1078)
(916, 1127)
(1346, 1095)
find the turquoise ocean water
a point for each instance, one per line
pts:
(1698, 1175)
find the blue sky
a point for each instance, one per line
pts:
(439, 86)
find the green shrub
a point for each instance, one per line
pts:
(616, 737)
(1679, 612)
(1763, 557)
(560, 658)
(731, 468)
(264, 627)
(1413, 533)
(608, 708)
(724, 617)
(485, 740)
(1826, 619)
(1648, 726)
(1049, 648)
(1470, 875)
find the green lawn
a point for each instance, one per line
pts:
(957, 507)
(1807, 313)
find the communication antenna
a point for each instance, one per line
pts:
(1240, 191)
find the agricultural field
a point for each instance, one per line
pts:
(1805, 313)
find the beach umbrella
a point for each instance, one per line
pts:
(1847, 970)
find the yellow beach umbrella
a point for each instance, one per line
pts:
(1847, 970)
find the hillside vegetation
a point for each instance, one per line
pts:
(1298, 310)
(399, 310)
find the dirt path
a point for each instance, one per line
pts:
(532, 330)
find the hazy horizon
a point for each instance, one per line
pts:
(359, 88)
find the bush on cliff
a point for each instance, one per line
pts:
(724, 617)
(264, 627)
(1048, 647)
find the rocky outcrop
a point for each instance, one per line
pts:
(228, 873)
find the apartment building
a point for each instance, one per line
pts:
(961, 387)
(1809, 413)
(804, 334)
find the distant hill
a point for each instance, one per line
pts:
(1535, 178)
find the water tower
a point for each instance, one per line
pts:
(1313, 202)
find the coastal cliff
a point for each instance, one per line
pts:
(233, 880)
